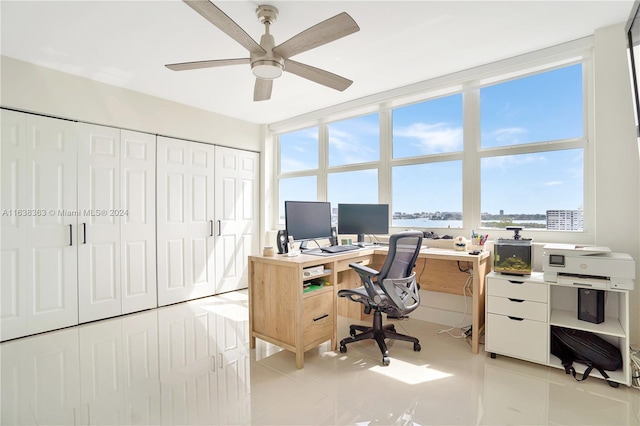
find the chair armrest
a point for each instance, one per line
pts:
(364, 270)
(401, 289)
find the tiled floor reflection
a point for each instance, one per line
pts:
(190, 364)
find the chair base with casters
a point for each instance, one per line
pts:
(393, 290)
(379, 333)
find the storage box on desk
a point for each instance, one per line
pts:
(512, 257)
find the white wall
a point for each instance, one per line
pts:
(617, 161)
(33, 88)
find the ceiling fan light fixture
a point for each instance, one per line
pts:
(267, 69)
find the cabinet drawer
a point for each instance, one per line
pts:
(318, 319)
(343, 265)
(518, 289)
(525, 339)
(517, 308)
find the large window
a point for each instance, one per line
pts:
(531, 119)
(491, 152)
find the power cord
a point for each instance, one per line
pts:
(466, 331)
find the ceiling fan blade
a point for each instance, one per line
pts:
(325, 32)
(262, 89)
(182, 66)
(317, 75)
(218, 18)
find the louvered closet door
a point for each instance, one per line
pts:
(138, 223)
(99, 292)
(185, 220)
(236, 214)
(50, 279)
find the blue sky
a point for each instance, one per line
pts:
(539, 108)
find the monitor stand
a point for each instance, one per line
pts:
(361, 238)
(303, 245)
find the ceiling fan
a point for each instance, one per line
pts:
(267, 60)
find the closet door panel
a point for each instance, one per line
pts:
(185, 220)
(173, 247)
(138, 221)
(99, 224)
(13, 234)
(236, 215)
(50, 279)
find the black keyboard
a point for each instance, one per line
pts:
(338, 249)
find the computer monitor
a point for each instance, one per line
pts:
(307, 220)
(363, 219)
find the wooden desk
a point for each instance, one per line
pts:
(280, 312)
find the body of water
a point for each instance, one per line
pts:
(453, 224)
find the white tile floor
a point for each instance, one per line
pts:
(190, 364)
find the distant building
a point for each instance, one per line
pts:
(501, 212)
(565, 220)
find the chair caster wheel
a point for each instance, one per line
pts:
(343, 349)
(393, 328)
(493, 355)
(352, 333)
(385, 360)
(417, 347)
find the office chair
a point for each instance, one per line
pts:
(393, 290)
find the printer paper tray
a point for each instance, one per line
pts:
(582, 281)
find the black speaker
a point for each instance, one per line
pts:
(591, 305)
(334, 236)
(282, 242)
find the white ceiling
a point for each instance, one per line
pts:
(127, 44)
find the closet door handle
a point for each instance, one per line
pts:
(219, 228)
(211, 228)
(70, 235)
(84, 232)
(321, 317)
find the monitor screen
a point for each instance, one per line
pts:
(363, 219)
(308, 220)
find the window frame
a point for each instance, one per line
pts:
(469, 83)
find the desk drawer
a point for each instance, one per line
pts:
(318, 319)
(516, 288)
(525, 339)
(343, 265)
(517, 308)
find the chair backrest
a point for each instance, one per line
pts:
(404, 248)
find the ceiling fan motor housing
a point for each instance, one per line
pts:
(267, 65)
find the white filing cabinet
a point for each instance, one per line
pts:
(517, 322)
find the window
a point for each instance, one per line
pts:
(427, 195)
(542, 107)
(296, 189)
(431, 127)
(517, 158)
(356, 140)
(519, 190)
(299, 150)
(531, 119)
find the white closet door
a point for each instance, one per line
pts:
(138, 222)
(99, 292)
(237, 217)
(50, 280)
(13, 232)
(185, 220)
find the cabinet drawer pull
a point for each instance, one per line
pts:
(211, 228)
(516, 300)
(516, 282)
(84, 233)
(321, 317)
(70, 235)
(516, 318)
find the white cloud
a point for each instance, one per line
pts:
(433, 138)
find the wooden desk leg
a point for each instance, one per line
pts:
(299, 359)
(476, 312)
(252, 342)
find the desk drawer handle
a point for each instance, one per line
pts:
(516, 282)
(516, 318)
(321, 317)
(516, 300)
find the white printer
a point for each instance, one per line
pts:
(588, 266)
